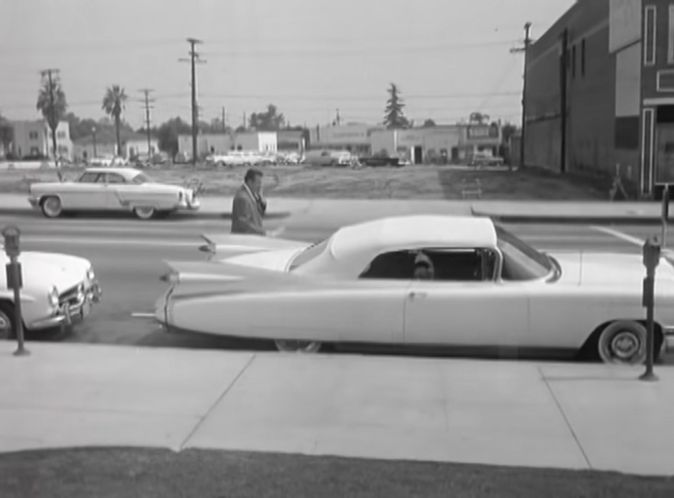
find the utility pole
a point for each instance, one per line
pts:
(244, 121)
(52, 118)
(147, 91)
(224, 123)
(194, 60)
(563, 74)
(525, 50)
(337, 118)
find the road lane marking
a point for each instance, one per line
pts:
(110, 242)
(142, 315)
(628, 238)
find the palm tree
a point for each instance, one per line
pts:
(51, 102)
(113, 105)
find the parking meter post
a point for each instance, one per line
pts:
(14, 280)
(651, 258)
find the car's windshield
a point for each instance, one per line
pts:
(141, 178)
(308, 254)
(520, 260)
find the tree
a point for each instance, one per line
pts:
(429, 123)
(6, 133)
(394, 116)
(113, 105)
(167, 135)
(51, 102)
(269, 120)
(478, 118)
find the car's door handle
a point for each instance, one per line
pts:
(416, 294)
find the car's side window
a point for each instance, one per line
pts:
(90, 177)
(462, 264)
(114, 178)
(391, 265)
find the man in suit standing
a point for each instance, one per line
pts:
(248, 206)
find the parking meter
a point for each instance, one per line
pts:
(651, 258)
(11, 235)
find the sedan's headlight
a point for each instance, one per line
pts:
(53, 297)
(91, 276)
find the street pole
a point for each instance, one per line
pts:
(665, 214)
(194, 60)
(93, 132)
(147, 91)
(52, 121)
(525, 50)
(224, 123)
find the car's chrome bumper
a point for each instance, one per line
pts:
(190, 206)
(34, 201)
(74, 305)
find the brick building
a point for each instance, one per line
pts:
(610, 64)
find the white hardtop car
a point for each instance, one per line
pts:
(112, 189)
(487, 288)
(57, 290)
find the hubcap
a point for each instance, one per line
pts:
(625, 345)
(144, 212)
(5, 326)
(52, 205)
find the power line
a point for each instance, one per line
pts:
(194, 59)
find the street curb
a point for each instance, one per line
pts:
(26, 213)
(570, 220)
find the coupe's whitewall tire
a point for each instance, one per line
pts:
(51, 207)
(297, 346)
(623, 342)
(6, 321)
(144, 213)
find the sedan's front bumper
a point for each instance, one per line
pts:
(74, 305)
(34, 202)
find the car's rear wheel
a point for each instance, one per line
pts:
(144, 213)
(297, 346)
(51, 207)
(6, 321)
(622, 342)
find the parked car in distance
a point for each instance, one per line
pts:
(112, 189)
(58, 290)
(482, 288)
(324, 157)
(482, 159)
(374, 161)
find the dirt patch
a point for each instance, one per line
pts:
(412, 182)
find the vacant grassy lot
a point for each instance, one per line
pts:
(411, 182)
(122, 473)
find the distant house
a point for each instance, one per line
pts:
(32, 139)
(104, 143)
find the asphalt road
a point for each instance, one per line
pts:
(128, 256)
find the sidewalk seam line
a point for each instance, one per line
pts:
(224, 393)
(566, 419)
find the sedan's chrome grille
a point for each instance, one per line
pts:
(71, 296)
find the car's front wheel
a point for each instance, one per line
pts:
(6, 321)
(144, 213)
(623, 342)
(297, 346)
(51, 207)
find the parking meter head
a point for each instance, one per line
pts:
(651, 253)
(11, 235)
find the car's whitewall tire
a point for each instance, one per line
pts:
(623, 342)
(51, 206)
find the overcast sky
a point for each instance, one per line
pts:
(309, 57)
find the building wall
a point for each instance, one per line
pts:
(85, 149)
(34, 138)
(354, 137)
(590, 93)
(136, 147)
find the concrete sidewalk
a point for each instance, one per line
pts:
(569, 415)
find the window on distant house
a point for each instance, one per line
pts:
(582, 57)
(649, 35)
(670, 35)
(32, 135)
(61, 134)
